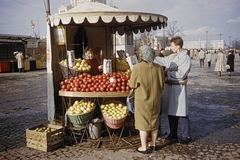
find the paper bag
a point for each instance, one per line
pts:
(71, 58)
(132, 60)
(107, 66)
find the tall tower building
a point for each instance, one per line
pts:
(77, 2)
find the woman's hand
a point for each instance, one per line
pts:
(100, 68)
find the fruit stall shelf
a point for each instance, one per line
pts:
(93, 94)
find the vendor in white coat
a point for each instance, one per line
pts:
(178, 66)
(20, 61)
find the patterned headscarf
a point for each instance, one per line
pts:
(147, 54)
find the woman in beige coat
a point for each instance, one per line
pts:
(219, 63)
(148, 79)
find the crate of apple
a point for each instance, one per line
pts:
(114, 82)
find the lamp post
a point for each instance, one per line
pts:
(229, 41)
(220, 41)
(206, 39)
(33, 26)
(220, 36)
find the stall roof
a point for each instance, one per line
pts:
(101, 15)
(16, 37)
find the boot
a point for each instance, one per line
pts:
(219, 73)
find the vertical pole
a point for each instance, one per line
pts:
(50, 81)
(206, 39)
(229, 41)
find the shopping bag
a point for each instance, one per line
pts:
(227, 66)
(130, 101)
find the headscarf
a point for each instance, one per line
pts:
(147, 54)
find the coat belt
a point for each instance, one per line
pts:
(181, 82)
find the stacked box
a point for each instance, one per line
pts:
(45, 141)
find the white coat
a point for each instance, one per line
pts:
(19, 58)
(209, 57)
(175, 96)
(219, 64)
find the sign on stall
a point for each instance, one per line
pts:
(32, 43)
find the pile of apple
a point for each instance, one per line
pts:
(43, 129)
(81, 107)
(114, 82)
(79, 65)
(114, 110)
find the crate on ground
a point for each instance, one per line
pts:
(52, 138)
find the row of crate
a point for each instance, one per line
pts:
(8, 66)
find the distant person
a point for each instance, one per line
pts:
(178, 65)
(209, 59)
(191, 53)
(219, 63)
(20, 61)
(201, 57)
(148, 79)
(230, 62)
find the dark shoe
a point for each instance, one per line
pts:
(152, 148)
(171, 138)
(143, 152)
(185, 140)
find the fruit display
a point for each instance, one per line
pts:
(47, 129)
(114, 82)
(80, 65)
(121, 64)
(114, 110)
(128, 71)
(43, 129)
(81, 107)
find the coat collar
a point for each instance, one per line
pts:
(179, 55)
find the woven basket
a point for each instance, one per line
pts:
(120, 66)
(68, 72)
(81, 119)
(114, 123)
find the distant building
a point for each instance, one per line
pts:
(155, 42)
(211, 44)
(64, 8)
(77, 2)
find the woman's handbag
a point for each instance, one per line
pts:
(227, 66)
(130, 101)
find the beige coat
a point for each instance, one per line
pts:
(219, 64)
(147, 95)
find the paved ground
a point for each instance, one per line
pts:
(214, 109)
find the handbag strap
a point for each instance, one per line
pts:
(131, 92)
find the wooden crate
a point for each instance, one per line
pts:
(45, 141)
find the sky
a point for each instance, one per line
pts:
(195, 17)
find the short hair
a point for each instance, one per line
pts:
(88, 49)
(177, 41)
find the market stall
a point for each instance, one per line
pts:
(89, 24)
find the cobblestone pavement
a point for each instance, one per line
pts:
(214, 112)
